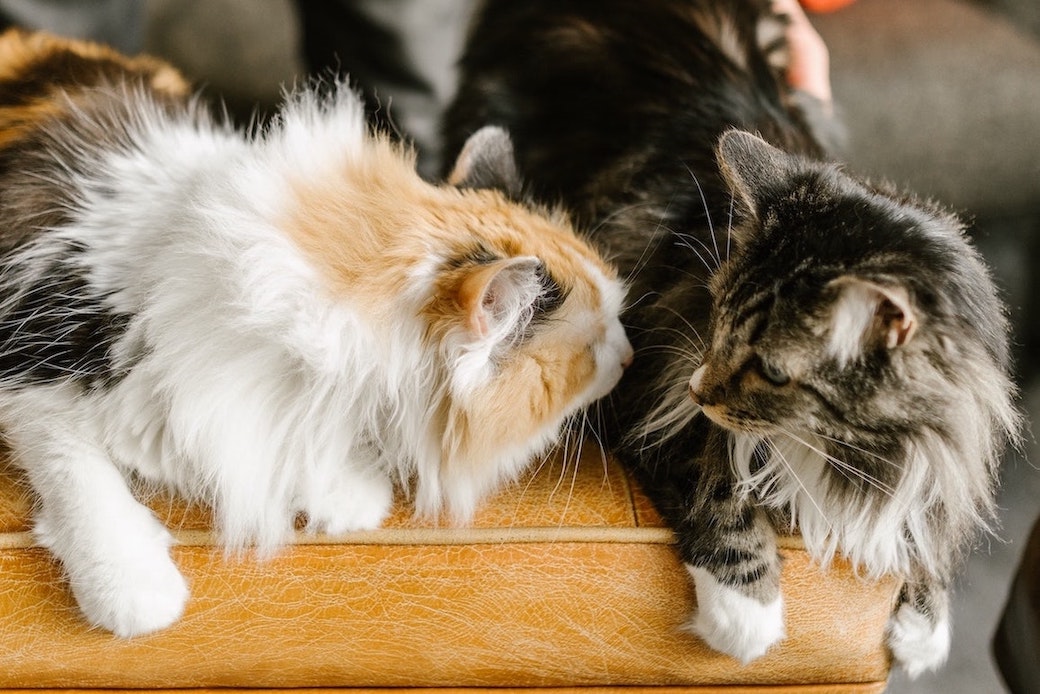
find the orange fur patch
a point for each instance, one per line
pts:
(373, 217)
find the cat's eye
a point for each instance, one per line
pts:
(772, 373)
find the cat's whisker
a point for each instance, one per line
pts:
(707, 217)
(729, 225)
(531, 475)
(585, 429)
(843, 467)
(693, 331)
(685, 244)
(672, 412)
(654, 241)
(631, 303)
(688, 240)
(859, 449)
(673, 350)
(564, 457)
(694, 345)
(601, 444)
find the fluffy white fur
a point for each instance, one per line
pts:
(917, 643)
(892, 534)
(733, 623)
(251, 388)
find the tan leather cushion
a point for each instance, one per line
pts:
(568, 578)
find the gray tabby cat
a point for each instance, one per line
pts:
(813, 351)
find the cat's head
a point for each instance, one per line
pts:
(526, 315)
(851, 316)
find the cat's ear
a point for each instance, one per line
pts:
(496, 297)
(751, 167)
(487, 161)
(866, 314)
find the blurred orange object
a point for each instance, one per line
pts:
(825, 5)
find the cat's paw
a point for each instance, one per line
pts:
(125, 583)
(916, 643)
(131, 598)
(133, 601)
(349, 503)
(733, 623)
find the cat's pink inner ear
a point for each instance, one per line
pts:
(497, 292)
(866, 313)
(896, 316)
(474, 294)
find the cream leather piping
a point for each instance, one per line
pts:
(440, 536)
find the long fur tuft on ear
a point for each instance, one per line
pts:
(498, 298)
(869, 315)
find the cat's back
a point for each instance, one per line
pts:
(635, 93)
(62, 101)
(44, 77)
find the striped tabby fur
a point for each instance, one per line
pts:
(811, 349)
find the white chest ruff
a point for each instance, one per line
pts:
(879, 535)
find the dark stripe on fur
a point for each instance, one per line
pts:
(57, 331)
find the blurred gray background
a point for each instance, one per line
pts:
(942, 96)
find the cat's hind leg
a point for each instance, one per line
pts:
(114, 552)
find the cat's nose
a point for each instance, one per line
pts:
(695, 385)
(627, 356)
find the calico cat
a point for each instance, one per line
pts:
(813, 351)
(284, 323)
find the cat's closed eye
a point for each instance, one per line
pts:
(772, 373)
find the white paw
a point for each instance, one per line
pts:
(915, 643)
(350, 503)
(126, 583)
(733, 623)
(132, 601)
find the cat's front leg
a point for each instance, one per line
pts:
(918, 632)
(730, 552)
(114, 552)
(726, 542)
